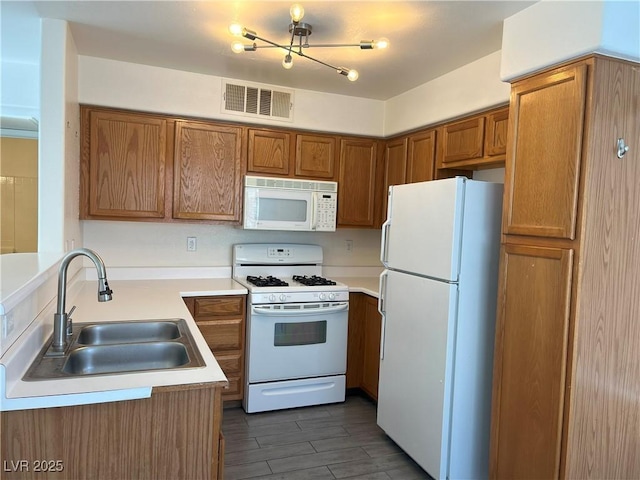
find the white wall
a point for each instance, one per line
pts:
(19, 62)
(551, 31)
(154, 89)
(133, 244)
(473, 87)
(58, 152)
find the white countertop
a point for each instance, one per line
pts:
(132, 300)
(368, 285)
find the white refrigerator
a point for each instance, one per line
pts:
(438, 295)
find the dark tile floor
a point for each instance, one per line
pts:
(323, 442)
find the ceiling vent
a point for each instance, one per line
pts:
(257, 101)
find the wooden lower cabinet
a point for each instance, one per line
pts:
(529, 379)
(221, 320)
(363, 350)
(174, 434)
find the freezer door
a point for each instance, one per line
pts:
(414, 395)
(423, 230)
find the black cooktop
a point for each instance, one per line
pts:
(266, 281)
(313, 280)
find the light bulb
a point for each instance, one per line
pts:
(297, 12)
(287, 62)
(381, 43)
(237, 47)
(353, 75)
(235, 29)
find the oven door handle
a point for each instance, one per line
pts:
(268, 310)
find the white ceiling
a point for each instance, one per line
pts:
(428, 38)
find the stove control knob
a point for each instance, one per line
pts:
(272, 297)
(322, 296)
(332, 296)
(283, 297)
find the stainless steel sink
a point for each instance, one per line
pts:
(128, 332)
(109, 348)
(128, 357)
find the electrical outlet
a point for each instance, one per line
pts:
(349, 244)
(192, 244)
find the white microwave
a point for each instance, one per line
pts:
(272, 203)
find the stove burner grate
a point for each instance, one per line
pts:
(266, 281)
(313, 280)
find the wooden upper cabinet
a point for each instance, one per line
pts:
(357, 183)
(123, 165)
(421, 157)
(315, 156)
(269, 152)
(541, 180)
(395, 162)
(495, 137)
(463, 140)
(530, 363)
(207, 171)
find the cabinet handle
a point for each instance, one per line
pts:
(622, 148)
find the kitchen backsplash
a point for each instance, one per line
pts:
(137, 244)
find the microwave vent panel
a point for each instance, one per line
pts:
(290, 184)
(257, 101)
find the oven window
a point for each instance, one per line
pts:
(280, 209)
(300, 333)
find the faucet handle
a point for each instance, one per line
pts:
(69, 322)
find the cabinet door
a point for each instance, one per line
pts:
(207, 171)
(495, 138)
(395, 167)
(123, 165)
(421, 156)
(315, 156)
(371, 347)
(268, 152)
(357, 183)
(543, 164)
(355, 340)
(530, 361)
(463, 140)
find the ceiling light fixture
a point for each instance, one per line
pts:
(301, 30)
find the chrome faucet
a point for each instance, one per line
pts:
(61, 319)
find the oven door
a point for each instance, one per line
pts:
(297, 340)
(278, 209)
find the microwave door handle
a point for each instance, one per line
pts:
(314, 207)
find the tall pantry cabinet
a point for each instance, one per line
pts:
(566, 395)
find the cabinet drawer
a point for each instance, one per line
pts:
(234, 390)
(231, 363)
(205, 307)
(223, 335)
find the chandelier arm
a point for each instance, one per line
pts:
(318, 61)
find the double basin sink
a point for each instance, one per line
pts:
(108, 348)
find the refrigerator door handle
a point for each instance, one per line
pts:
(383, 293)
(385, 242)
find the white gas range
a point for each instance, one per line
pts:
(296, 327)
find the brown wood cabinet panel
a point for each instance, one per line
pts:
(604, 433)
(222, 306)
(371, 347)
(495, 138)
(541, 191)
(357, 183)
(355, 340)
(268, 152)
(315, 156)
(530, 361)
(463, 140)
(395, 157)
(221, 320)
(223, 334)
(421, 156)
(207, 171)
(123, 165)
(172, 434)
